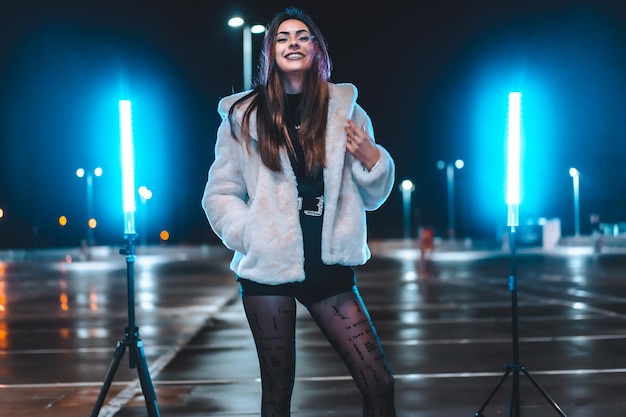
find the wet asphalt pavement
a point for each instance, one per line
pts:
(446, 324)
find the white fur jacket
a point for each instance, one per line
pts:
(255, 210)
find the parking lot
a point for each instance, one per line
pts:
(446, 323)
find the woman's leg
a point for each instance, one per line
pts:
(345, 322)
(272, 320)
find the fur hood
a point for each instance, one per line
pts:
(255, 210)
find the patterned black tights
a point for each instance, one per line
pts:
(345, 322)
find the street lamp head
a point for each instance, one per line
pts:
(80, 172)
(407, 185)
(235, 22)
(257, 29)
(573, 172)
(458, 164)
(144, 192)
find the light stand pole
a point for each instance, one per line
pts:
(513, 200)
(575, 174)
(131, 340)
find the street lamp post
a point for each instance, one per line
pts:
(80, 173)
(145, 194)
(407, 187)
(575, 174)
(449, 167)
(247, 47)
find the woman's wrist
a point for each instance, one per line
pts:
(373, 166)
(373, 162)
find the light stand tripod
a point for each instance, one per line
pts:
(515, 367)
(132, 341)
(514, 139)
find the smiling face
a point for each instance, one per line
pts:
(294, 48)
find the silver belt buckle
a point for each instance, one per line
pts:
(316, 213)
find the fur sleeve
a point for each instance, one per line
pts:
(376, 185)
(225, 194)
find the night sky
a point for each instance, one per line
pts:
(433, 75)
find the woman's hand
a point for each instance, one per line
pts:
(361, 145)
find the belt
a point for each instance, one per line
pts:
(311, 206)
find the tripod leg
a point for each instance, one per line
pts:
(514, 402)
(502, 379)
(144, 377)
(117, 357)
(544, 393)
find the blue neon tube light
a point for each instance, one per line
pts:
(128, 166)
(513, 158)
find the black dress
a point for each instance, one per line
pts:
(310, 187)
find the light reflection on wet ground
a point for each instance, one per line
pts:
(445, 324)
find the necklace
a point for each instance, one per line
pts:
(291, 124)
(294, 110)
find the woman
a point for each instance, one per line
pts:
(295, 170)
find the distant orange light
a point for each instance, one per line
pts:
(62, 220)
(92, 223)
(93, 300)
(3, 335)
(164, 235)
(64, 302)
(3, 298)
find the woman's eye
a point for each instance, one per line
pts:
(304, 39)
(281, 40)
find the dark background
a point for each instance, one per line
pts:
(433, 75)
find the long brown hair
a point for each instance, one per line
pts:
(268, 98)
